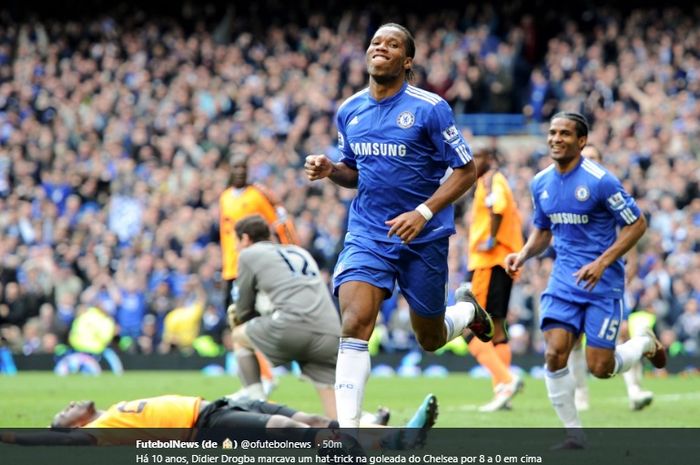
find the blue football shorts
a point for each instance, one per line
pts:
(419, 269)
(598, 317)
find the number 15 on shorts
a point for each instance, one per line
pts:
(609, 328)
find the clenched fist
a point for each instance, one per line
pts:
(317, 167)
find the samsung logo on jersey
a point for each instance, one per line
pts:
(378, 148)
(568, 218)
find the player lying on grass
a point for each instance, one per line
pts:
(185, 417)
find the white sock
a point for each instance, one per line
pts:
(578, 367)
(457, 317)
(633, 379)
(632, 351)
(255, 391)
(351, 373)
(560, 388)
(248, 366)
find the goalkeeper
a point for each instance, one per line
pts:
(301, 323)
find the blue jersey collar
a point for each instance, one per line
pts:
(569, 173)
(391, 99)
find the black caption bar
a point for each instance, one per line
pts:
(370, 446)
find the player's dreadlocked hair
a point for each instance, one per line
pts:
(410, 43)
(578, 118)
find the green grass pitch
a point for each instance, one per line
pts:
(30, 399)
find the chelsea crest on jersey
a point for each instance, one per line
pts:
(402, 147)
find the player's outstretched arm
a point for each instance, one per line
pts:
(536, 244)
(319, 167)
(591, 273)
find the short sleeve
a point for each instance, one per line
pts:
(617, 201)
(446, 137)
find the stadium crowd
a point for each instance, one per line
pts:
(116, 133)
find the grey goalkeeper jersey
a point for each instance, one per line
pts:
(290, 277)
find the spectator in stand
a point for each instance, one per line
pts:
(131, 306)
(89, 106)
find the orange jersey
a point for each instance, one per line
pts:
(156, 412)
(235, 204)
(509, 237)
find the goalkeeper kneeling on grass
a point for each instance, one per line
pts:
(300, 323)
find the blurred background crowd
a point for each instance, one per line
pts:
(116, 131)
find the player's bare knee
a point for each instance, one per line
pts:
(357, 323)
(555, 359)
(238, 335)
(602, 368)
(430, 342)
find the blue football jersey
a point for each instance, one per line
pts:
(401, 147)
(583, 209)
